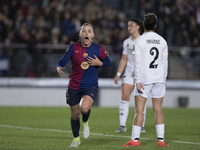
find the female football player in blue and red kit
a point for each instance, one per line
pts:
(86, 57)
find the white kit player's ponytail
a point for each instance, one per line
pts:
(150, 21)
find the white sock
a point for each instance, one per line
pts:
(123, 112)
(135, 133)
(160, 130)
(144, 116)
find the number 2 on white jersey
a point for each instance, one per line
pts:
(152, 65)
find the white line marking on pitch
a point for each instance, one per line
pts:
(117, 136)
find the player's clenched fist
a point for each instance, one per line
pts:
(60, 70)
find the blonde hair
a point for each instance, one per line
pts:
(88, 24)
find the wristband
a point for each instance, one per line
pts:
(118, 74)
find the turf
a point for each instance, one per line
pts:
(48, 128)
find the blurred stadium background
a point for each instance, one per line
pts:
(34, 34)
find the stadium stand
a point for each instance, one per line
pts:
(34, 33)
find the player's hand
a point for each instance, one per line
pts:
(139, 87)
(116, 79)
(94, 62)
(60, 70)
(133, 74)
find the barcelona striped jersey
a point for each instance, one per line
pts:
(83, 75)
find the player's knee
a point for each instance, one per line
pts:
(84, 110)
(157, 110)
(125, 98)
(75, 115)
(138, 112)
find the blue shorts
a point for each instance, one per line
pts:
(73, 97)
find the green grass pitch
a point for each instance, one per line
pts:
(48, 128)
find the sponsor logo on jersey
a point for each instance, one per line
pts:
(84, 65)
(85, 55)
(77, 51)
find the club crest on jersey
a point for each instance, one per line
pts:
(84, 65)
(85, 55)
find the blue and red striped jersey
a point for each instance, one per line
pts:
(83, 75)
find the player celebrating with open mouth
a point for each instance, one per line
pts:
(86, 57)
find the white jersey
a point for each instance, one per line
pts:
(151, 58)
(127, 50)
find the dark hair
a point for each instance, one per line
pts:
(150, 20)
(138, 22)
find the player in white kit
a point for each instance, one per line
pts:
(135, 28)
(151, 65)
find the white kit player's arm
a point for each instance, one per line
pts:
(124, 58)
(165, 61)
(137, 62)
(122, 63)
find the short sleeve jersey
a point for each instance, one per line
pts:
(151, 58)
(127, 50)
(83, 75)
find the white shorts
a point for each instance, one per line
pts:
(128, 80)
(156, 90)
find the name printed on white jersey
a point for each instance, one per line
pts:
(152, 41)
